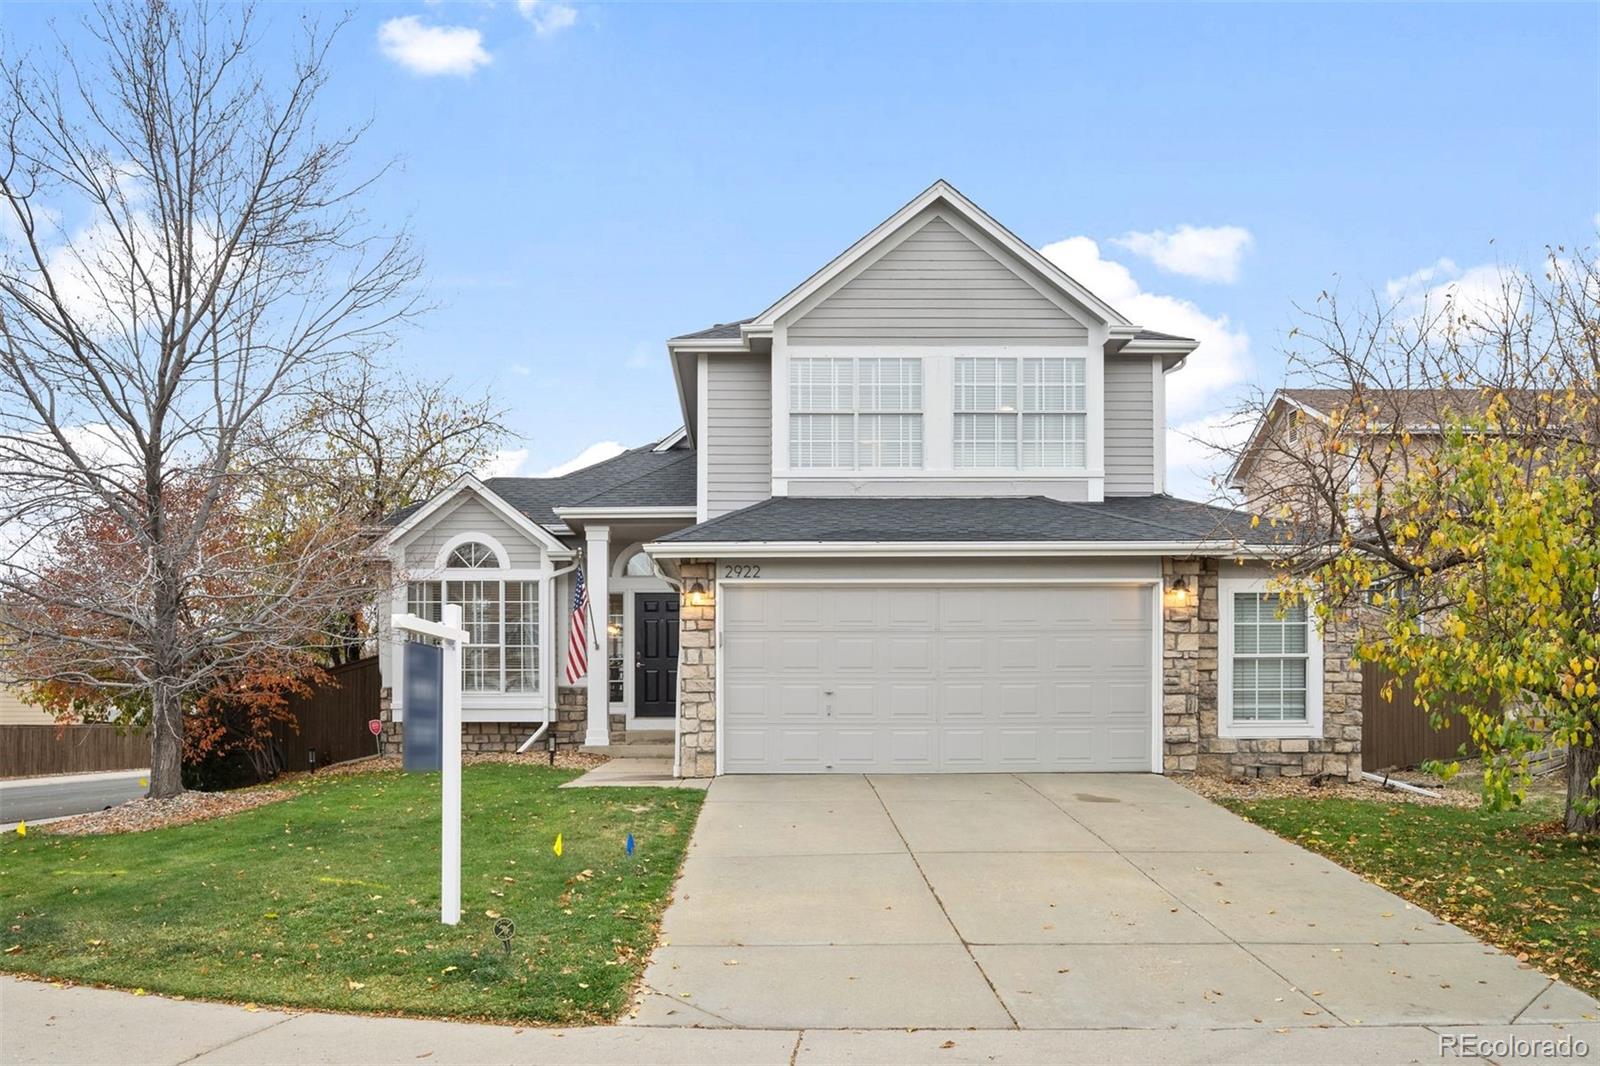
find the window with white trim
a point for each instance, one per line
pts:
(502, 623)
(1270, 663)
(1021, 413)
(855, 413)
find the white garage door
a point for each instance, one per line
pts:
(912, 679)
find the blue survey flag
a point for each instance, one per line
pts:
(630, 844)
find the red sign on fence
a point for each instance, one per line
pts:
(376, 726)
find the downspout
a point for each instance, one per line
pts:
(550, 711)
(1388, 782)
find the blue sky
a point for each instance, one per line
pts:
(589, 179)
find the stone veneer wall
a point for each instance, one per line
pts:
(483, 737)
(697, 677)
(1189, 696)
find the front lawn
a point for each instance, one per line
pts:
(1512, 879)
(331, 899)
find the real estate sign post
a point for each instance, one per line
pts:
(451, 638)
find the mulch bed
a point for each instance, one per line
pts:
(137, 816)
(1251, 788)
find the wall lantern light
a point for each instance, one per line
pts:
(1178, 593)
(698, 596)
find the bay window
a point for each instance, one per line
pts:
(855, 413)
(1269, 663)
(501, 619)
(1021, 413)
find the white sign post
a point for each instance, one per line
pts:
(450, 634)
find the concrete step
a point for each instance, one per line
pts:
(635, 747)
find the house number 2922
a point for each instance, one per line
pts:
(742, 570)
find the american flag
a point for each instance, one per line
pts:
(578, 635)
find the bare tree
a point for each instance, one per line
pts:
(360, 445)
(364, 443)
(184, 253)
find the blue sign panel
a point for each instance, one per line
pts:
(424, 707)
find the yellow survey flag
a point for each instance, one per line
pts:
(557, 848)
(22, 831)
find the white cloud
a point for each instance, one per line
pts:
(594, 453)
(1223, 359)
(1198, 454)
(506, 463)
(431, 50)
(522, 370)
(1210, 253)
(1418, 280)
(547, 16)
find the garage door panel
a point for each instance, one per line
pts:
(911, 609)
(912, 702)
(911, 653)
(856, 653)
(889, 678)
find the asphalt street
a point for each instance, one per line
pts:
(34, 799)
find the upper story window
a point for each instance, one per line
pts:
(1020, 413)
(855, 413)
(472, 556)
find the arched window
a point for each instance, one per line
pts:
(639, 565)
(473, 556)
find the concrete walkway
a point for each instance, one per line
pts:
(1048, 902)
(45, 1025)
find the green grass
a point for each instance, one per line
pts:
(331, 899)
(1513, 878)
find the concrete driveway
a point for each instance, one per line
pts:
(1047, 902)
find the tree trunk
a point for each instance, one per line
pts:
(166, 744)
(1583, 762)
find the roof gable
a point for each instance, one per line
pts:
(939, 280)
(962, 213)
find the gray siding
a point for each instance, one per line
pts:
(1130, 427)
(738, 432)
(937, 286)
(469, 515)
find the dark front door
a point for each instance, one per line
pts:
(655, 655)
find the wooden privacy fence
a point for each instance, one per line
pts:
(33, 750)
(333, 719)
(1395, 732)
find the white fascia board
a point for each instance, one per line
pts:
(981, 549)
(939, 191)
(671, 440)
(468, 483)
(707, 344)
(1157, 347)
(589, 513)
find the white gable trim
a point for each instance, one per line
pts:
(467, 483)
(940, 192)
(672, 440)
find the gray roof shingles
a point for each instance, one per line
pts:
(640, 477)
(872, 519)
(718, 332)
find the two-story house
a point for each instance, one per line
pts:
(914, 521)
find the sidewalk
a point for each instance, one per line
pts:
(41, 1023)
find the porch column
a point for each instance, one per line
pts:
(596, 571)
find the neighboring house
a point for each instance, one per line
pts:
(15, 711)
(915, 521)
(1271, 471)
